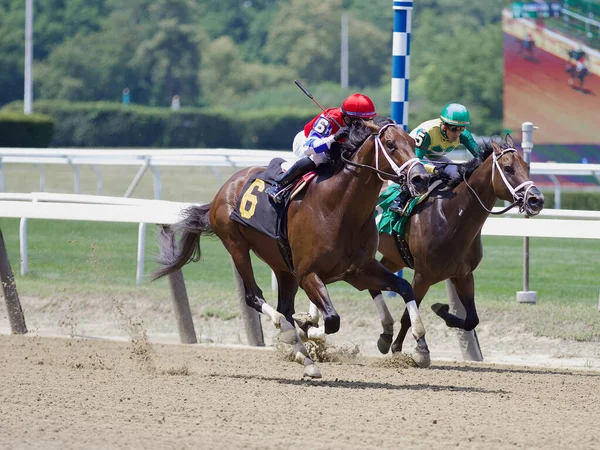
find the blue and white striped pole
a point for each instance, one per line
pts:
(401, 61)
(401, 66)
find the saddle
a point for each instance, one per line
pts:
(393, 224)
(255, 209)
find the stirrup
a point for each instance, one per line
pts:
(274, 192)
(396, 208)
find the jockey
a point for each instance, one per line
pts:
(438, 137)
(314, 140)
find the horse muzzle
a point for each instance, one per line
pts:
(419, 180)
(533, 202)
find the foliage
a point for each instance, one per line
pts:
(103, 124)
(21, 130)
(79, 259)
(579, 200)
(225, 53)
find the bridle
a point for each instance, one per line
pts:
(402, 173)
(515, 191)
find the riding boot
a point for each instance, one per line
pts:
(397, 205)
(301, 167)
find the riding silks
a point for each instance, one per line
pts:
(387, 221)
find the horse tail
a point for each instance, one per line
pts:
(173, 255)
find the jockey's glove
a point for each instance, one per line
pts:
(342, 134)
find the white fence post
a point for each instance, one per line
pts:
(139, 278)
(23, 246)
(526, 296)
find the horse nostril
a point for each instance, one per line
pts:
(535, 203)
(420, 183)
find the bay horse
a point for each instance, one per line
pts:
(330, 227)
(444, 234)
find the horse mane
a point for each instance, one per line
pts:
(357, 134)
(486, 149)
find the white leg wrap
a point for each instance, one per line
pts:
(413, 311)
(313, 311)
(387, 321)
(270, 312)
(316, 333)
(278, 319)
(418, 330)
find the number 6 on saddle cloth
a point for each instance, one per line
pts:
(254, 208)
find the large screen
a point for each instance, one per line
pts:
(552, 71)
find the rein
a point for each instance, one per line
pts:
(379, 147)
(518, 200)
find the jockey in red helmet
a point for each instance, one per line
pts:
(314, 140)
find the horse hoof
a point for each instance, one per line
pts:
(303, 336)
(287, 337)
(397, 348)
(304, 320)
(332, 324)
(384, 343)
(312, 371)
(421, 359)
(440, 309)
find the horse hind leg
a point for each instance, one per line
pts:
(387, 322)
(423, 359)
(375, 276)
(287, 289)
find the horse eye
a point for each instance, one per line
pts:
(509, 170)
(390, 145)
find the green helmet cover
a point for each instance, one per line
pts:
(455, 114)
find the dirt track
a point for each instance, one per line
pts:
(72, 393)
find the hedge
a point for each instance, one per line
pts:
(25, 130)
(579, 200)
(115, 125)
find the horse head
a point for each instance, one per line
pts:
(389, 151)
(510, 177)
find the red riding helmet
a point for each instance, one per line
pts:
(359, 105)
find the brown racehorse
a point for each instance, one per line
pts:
(444, 234)
(331, 231)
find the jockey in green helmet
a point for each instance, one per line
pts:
(436, 138)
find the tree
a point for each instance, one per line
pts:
(227, 79)
(168, 59)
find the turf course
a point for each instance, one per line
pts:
(85, 259)
(96, 259)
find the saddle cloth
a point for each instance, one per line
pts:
(391, 223)
(254, 207)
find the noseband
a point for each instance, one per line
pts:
(398, 171)
(518, 199)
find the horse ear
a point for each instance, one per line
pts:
(509, 140)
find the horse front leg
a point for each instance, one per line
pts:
(375, 276)
(287, 288)
(240, 255)
(465, 289)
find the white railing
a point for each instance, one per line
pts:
(41, 205)
(220, 157)
(575, 224)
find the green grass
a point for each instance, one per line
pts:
(90, 261)
(98, 260)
